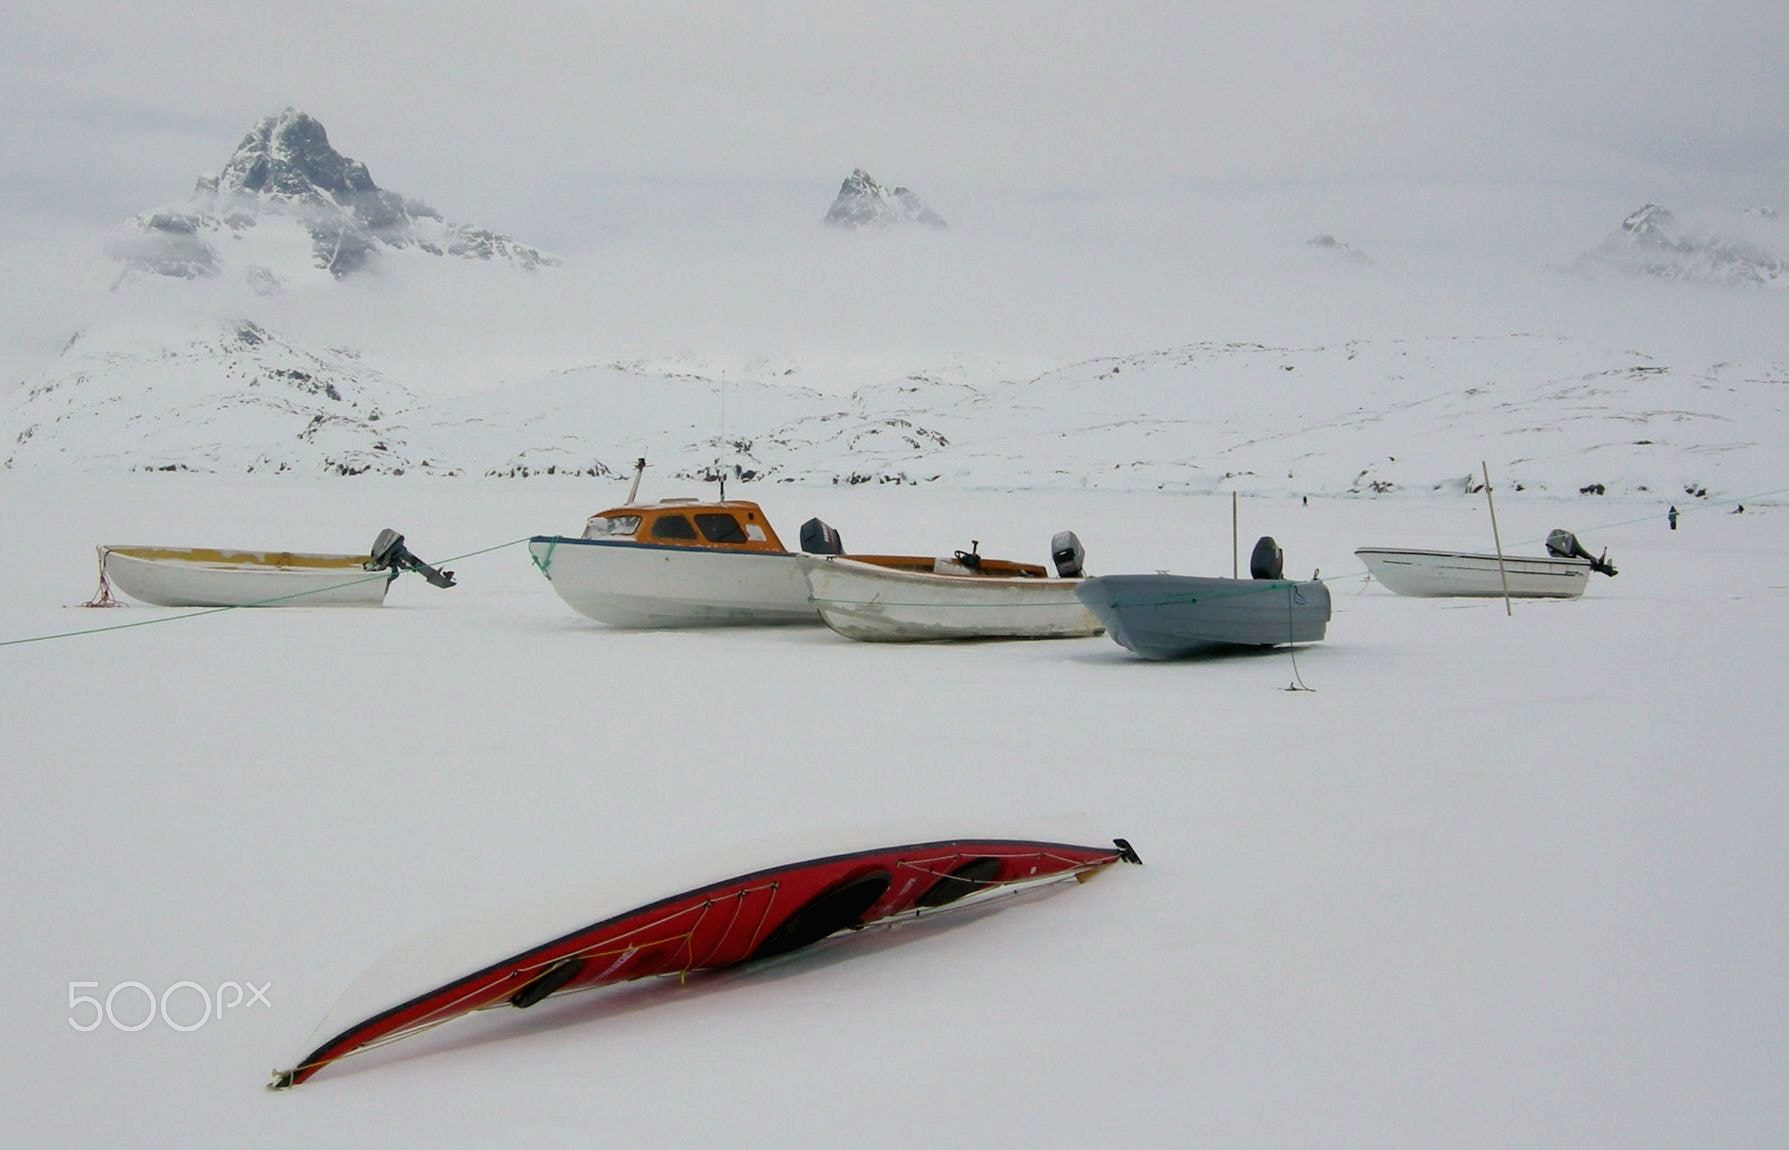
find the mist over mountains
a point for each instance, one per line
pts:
(283, 176)
(1654, 242)
(864, 203)
(294, 317)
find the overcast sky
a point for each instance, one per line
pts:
(549, 119)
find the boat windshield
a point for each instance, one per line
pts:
(672, 527)
(610, 526)
(717, 528)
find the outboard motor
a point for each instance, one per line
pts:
(1267, 561)
(818, 538)
(1067, 554)
(1564, 544)
(390, 553)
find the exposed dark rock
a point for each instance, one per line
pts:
(863, 203)
(1340, 250)
(1652, 242)
(285, 165)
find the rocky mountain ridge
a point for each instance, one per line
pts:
(283, 174)
(1653, 242)
(864, 203)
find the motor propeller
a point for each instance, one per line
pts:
(389, 553)
(1564, 544)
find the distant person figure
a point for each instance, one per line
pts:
(1671, 517)
(1307, 500)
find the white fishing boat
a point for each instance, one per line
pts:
(877, 603)
(222, 577)
(676, 564)
(1562, 573)
(688, 563)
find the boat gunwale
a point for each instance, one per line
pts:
(635, 544)
(1554, 560)
(236, 558)
(881, 562)
(866, 566)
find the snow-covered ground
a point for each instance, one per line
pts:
(1494, 881)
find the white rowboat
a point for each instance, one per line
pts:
(214, 577)
(1454, 573)
(882, 604)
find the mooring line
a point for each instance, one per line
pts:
(238, 606)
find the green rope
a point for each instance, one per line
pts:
(1653, 518)
(543, 564)
(237, 606)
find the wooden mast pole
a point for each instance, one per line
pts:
(1502, 572)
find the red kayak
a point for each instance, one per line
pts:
(750, 916)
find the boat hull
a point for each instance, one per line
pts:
(1172, 616)
(643, 585)
(211, 577)
(1443, 574)
(875, 604)
(755, 913)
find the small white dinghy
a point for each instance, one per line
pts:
(884, 604)
(1560, 574)
(218, 577)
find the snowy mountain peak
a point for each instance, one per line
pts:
(862, 202)
(1653, 242)
(283, 174)
(289, 154)
(1651, 223)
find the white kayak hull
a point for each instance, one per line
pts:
(1440, 574)
(627, 584)
(878, 604)
(213, 577)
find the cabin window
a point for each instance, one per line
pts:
(672, 527)
(718, 528)
(608, 526)
(755, 533)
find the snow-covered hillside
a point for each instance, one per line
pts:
(1553, 415)
(237, 399)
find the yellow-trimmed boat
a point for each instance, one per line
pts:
(222, 577)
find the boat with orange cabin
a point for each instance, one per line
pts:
(701, 563)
